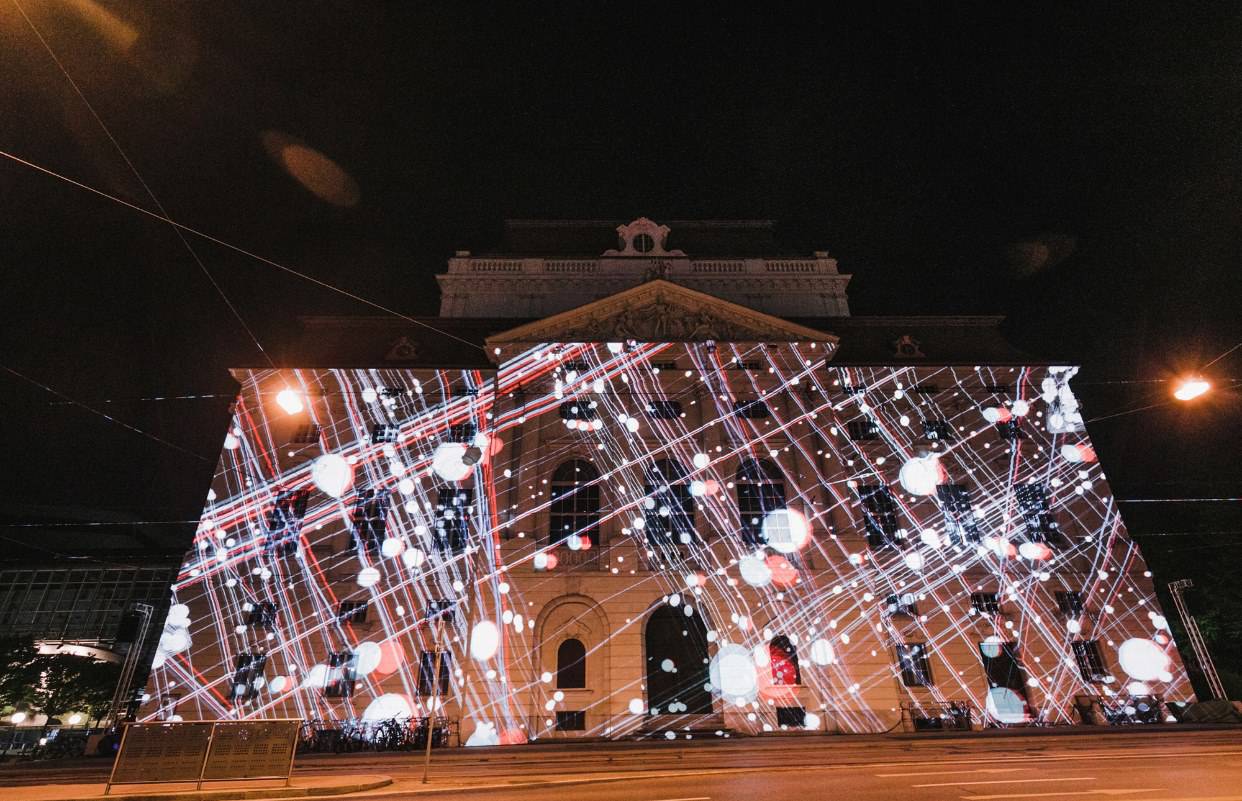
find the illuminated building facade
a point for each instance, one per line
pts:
(674, 488)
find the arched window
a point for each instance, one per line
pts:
(668, 509)
(571, 665)
(760, 490)
(575, 502)
(783, 655)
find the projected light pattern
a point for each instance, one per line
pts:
(708, 536)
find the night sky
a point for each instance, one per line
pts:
(1073, 167)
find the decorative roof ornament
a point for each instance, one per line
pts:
(907, 347)
(402, 350)
(642, 237)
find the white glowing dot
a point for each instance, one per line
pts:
(701, 460)
(332, 474)
(1142, 659)
(368, 577)
(484, 640)
(636, 706)
(392, 547)
(369, 395)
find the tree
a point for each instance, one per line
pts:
(19, 672)
(72, 683)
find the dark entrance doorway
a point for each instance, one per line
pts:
(677, 669)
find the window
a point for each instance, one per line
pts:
(912, 661)
(370, 518)
(996, 389)
(960, 523)
(567, 720)
(284, 522)
(879, 516)
(576, 367)
(643, 243)
(752, 409)
(1070, 603)
(668, 514)
(937, 430)
(1090, 661)
(662, 365)
(1033, 505)
(580, 410)
(571, 665)
(783, 656)
(262, 615)
(985, 603)
(861, 430)
(246, 674)
(384, 432)
(461, 432)
(760, 490)
(904, 604)
(1006, 680)
(351, 612)
(307, 434)
(1011, 430)
(853, 389)
(750, 366)
(426, 669)
(924, 389)
(342, 674)
(791, 716)
(453, 509)
(465, 392)
(575, 504)
(664, 409)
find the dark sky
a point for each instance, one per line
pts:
(1074, 167)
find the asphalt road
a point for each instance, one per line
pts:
(1164, 764)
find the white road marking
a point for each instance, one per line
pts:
(1015, 781)
(1091, 792)
(952, 772)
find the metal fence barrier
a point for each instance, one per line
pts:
(205, 750)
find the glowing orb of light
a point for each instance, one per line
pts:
(391, 656)
(930, 538)
(1191, 388)
(1071, 454)
(231, 442)
(368, 577)
(991, 646)
(367, 656)
(413, 557)
(389, 706)
(289, 400)
(75, 719)
(822, 652)
(1035, 551)
(178, 614)
(698, 488)
(316, 677)
(667, 666)
(1142, 659)
(914, 560)
(332, 474)
(701, 460)
(754, 570)
(921, 475)
(811, 721)
(369, 395)
(484, 640)
(733, 673)
(786, 530)
(484, 734)
(1138, 688)
(991, 414)
(1021, 408)
(636, 706)
(784, 574)
(392, 547)
(615, 347)
(17, 717)
(447, 461)
(278, 683)
(1007, 706)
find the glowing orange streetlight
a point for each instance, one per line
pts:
(1191, 387)
(289, 400)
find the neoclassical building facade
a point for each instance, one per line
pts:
(646, 479)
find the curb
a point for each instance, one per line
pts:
(231, 794)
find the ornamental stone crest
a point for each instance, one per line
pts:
(401, 350)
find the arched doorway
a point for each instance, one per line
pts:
(677, 663)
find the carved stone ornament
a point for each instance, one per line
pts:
(401, 350)
(907, 347)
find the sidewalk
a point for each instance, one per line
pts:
(300, 787)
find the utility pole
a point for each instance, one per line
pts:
(1196, 638)
(438, 612)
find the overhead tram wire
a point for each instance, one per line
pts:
(237, 249)
(132, 168)
(104, 415)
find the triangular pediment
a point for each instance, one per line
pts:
(659, 311)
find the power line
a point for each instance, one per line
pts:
(132, 168)
(235, 248)
(105, 416)
(1178, 500)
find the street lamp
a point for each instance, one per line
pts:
(18, 718)
(1191, 387)
(289, 400)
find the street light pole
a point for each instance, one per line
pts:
(130, 666)
(439, 610)
(1196, 638)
